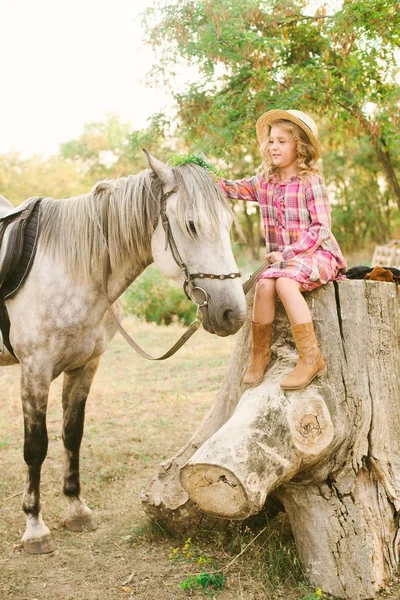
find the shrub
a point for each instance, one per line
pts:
(152, 297)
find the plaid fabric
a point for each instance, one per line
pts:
(297, 222)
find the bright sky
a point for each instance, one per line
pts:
(63, 64)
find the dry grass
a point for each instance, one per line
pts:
(138, 414)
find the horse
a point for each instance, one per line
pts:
(60, 322)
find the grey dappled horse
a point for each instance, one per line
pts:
(59, 318)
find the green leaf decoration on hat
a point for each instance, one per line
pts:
(174, 160)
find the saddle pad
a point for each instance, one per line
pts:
(14, 281)
(18, 276)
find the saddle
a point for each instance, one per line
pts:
(19, 230)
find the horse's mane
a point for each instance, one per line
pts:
(72, 228)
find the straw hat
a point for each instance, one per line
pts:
(306, 123)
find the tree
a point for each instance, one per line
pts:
(110, 148)
(105, 149)
(256, 55)
(363, 209)
(21, 178)
(102, 149)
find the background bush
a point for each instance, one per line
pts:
(152, 297)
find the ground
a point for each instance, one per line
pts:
(138, 414)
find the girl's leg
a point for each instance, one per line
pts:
(290, 293)
(310, 363)
(264, 302)
(263, 316)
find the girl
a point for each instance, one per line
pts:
(301, 249)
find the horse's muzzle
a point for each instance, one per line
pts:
(223, 321)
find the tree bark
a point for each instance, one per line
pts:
(385, 159)
(331, 452)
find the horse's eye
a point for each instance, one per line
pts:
(192, 228)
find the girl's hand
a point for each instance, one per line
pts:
(274, 257)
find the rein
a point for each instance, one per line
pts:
(189, 287)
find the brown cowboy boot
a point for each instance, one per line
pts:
(260, 353)
(310, 363)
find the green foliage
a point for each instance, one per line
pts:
(105, 149)
(338, 63)
(153, 298)
(193, 159)
(363, 210)
(256, 55)
(21, 178)
(111, 148)
(209, 580)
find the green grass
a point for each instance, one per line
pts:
(4, 443)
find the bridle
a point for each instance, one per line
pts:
(189, 286)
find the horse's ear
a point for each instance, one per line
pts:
(162, 171)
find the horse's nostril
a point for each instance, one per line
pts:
(227, 316)
(232, 319)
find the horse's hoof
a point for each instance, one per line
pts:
(81, 524)
(43, 545)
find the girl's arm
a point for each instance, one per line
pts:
(241, 189)
(320, 227)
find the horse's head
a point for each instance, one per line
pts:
(199, 219)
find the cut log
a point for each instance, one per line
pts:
(264, 444)
(331, 452)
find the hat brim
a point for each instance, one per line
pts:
(263, 126)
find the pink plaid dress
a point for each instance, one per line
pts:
(297, 223)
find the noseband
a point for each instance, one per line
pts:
(195, 293)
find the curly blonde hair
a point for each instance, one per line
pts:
(306, 153)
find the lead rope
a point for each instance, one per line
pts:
(182, 340)
(252, 279)
(193, 327)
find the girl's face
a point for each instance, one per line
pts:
(282, 147)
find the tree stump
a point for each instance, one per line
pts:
(331, 452)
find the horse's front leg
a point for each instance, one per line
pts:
(34, 392)
(76, 389)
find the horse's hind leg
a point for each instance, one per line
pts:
(76, 388)
(34, 392)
